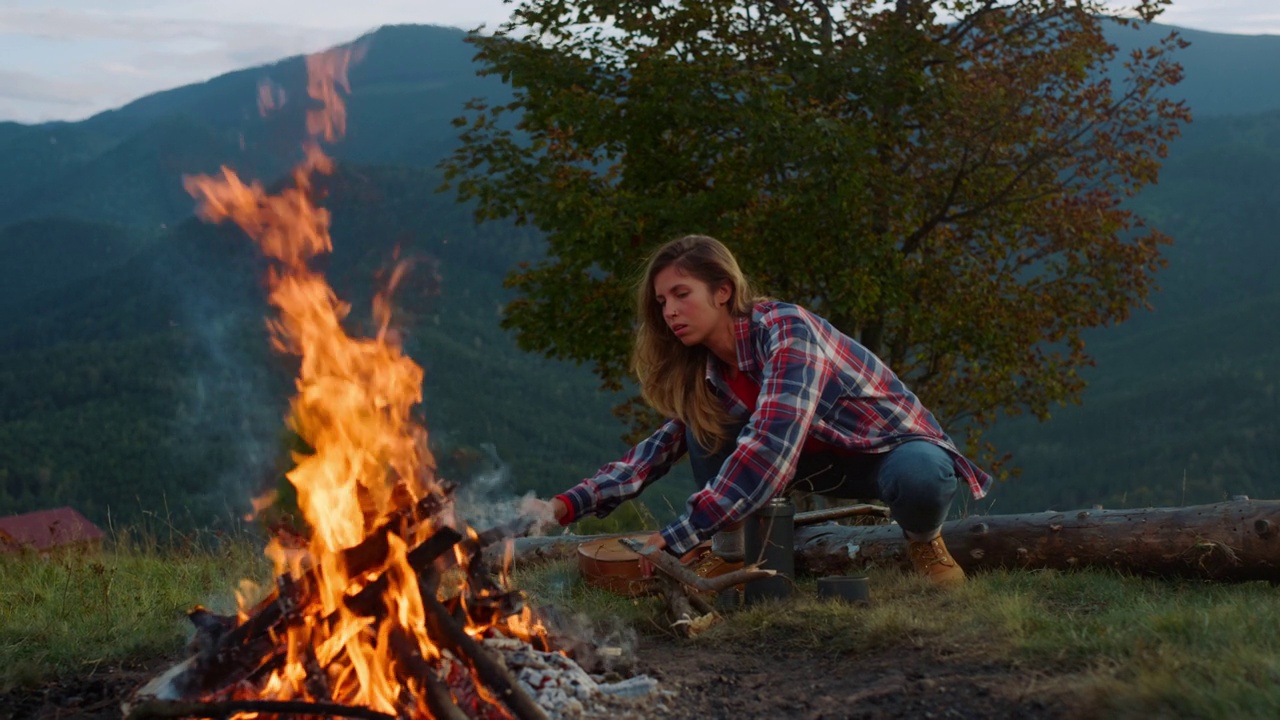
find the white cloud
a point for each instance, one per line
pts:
(85, 56)
(25, 86)
(1245, 17)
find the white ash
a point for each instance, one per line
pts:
(562, 688)
(631, 688)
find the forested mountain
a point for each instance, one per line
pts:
(135, 375)
(51, 255)
(1183, 402)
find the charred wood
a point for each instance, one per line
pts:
(169, 709)
(372, 551)
(417, 671)
(370, 600)
(449, 634)
(244, 650)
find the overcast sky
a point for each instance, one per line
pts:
(68, 59)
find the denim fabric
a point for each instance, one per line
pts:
(916, 479)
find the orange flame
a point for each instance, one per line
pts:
(352, 405)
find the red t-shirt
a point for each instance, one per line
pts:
(748, 391)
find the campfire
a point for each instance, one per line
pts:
(390, 608)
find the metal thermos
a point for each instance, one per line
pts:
(769, 538)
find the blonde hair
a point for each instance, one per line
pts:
(673, 375)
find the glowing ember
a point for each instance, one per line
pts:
(363, 489)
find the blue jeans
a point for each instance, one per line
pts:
(917, 479)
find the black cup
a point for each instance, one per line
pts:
(849, 588)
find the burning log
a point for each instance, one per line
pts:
(173, 709)
(244, 651)
(229, 656)
(488, 601)
(448, 634)
(1233, 541)
(373, 550)
(439, 701)
(368, 601)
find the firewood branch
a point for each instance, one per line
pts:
(421, 672)
(671, 567)
(447, 633)
(813, 517)
(168, 709)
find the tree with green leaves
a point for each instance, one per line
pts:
(944, 181)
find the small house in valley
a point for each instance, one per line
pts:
(46, 531)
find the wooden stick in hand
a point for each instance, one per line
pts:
(671, 567)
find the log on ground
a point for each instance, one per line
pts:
(1233, 541)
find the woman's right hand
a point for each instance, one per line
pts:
(559, 509)
(545, 511)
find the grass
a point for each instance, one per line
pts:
(1123, 646)
(70, 613)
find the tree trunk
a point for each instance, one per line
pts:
(1231, 541)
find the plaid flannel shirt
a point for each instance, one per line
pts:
(814, 380)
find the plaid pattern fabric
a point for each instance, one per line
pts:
(814, 381)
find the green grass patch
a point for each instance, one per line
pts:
(1153, 648)
(69, 613)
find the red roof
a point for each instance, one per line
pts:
(47, 529)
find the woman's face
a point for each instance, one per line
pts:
(690, 308)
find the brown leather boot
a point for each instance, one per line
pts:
(932, 560)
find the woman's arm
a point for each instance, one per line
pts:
(795, 371)
(624, 479)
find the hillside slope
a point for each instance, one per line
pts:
(155, 380)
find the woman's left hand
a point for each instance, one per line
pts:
(658, 544)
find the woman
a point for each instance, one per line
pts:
(766, 396)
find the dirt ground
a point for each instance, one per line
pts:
(762, 682)
(705, 682)
(96, 695)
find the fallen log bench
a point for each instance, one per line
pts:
(1235, 541)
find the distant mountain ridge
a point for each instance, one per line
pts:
(1226, 74)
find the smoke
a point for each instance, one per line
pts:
(604, 644)
(230, 419)
(487, 497)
